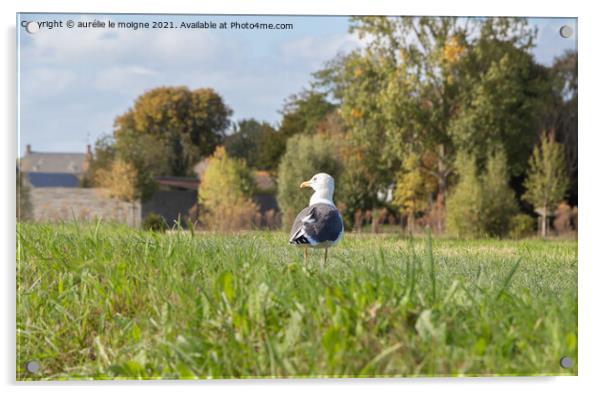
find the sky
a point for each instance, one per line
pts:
(73, 82)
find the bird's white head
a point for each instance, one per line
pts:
(323, 185)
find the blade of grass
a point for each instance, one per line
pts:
(508, 279)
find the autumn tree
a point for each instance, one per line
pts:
(188, 124)
(434, 86)
(412, 189)
(547, 180)
(166, 132)
(101, 158)
(119, 181)
(225, 193)
(354, 82)
(146, 156)
(141, 152)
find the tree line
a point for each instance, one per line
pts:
(445, 122)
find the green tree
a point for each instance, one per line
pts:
(429, 86)
(303, 112)
(102, 158)
(354, 193)
(143, 152)
(258, 143)
(243, 142)
(561, 114)
(503, 94)
(499, 200)
(356, 190)
(147, 156)
(187, 124)
(355, 82)
(465, 204)
(547, 180)
(166, 132)
(305, 156)
(225, 193)
(272, 145)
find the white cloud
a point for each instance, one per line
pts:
(314, 51)
(124, 79)
(40, 84)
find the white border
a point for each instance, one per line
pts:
(590, 271)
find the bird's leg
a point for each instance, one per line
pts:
(325, 255)
(305, 253)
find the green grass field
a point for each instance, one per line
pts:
(101, 302)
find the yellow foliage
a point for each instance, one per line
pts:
(411, 187)
(356, 113)
(225, 192)
(452, 50)
(119, 180)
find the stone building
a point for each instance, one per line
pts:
(55, 192)
(56, 195)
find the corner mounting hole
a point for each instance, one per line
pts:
(33, 366)
(566, 362)
(566, 31)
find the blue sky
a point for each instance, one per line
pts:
(73, 82)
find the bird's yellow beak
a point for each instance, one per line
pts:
(305, 184)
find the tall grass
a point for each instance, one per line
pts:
(100, 302)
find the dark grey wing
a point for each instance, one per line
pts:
(328, 224)
(297, 227)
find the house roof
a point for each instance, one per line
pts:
(180, 182)
(46, 179)
(264, 181)
(64, 163)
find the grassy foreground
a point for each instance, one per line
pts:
(101, 302)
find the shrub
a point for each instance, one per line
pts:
(522, 225)
(466, 200)
(154, 222)
(499, 202)
(481, 206)
(225, 193)
(305, 156)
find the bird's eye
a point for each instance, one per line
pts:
(315, 178)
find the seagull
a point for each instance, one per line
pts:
(320, 224)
